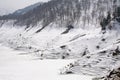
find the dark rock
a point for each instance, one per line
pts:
(98, 47)
(103, 52)
(117, 52)
(63, 57)
(68, 29)
(113, 75)
(69, 72)
(63, 47)
(103, 39)
(88, 57)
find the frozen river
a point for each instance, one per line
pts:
(25, 67)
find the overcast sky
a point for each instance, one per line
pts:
(17, 4)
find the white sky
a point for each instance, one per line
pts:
(17, 4)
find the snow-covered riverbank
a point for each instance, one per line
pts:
(27, 67)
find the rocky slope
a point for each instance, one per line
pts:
(114, 75)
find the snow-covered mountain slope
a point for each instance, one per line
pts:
(86, 30)
(5, 11)
(27, 9)
(14, 14)
(85, 14)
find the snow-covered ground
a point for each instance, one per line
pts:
(87, 46)
(16, 65)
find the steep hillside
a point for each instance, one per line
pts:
(14, 15)
(79, 13)
(27, 9)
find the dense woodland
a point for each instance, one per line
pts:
(68, 12)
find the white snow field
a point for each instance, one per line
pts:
(48, 42)
(15, 66)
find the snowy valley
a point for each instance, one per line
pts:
(81, 35)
